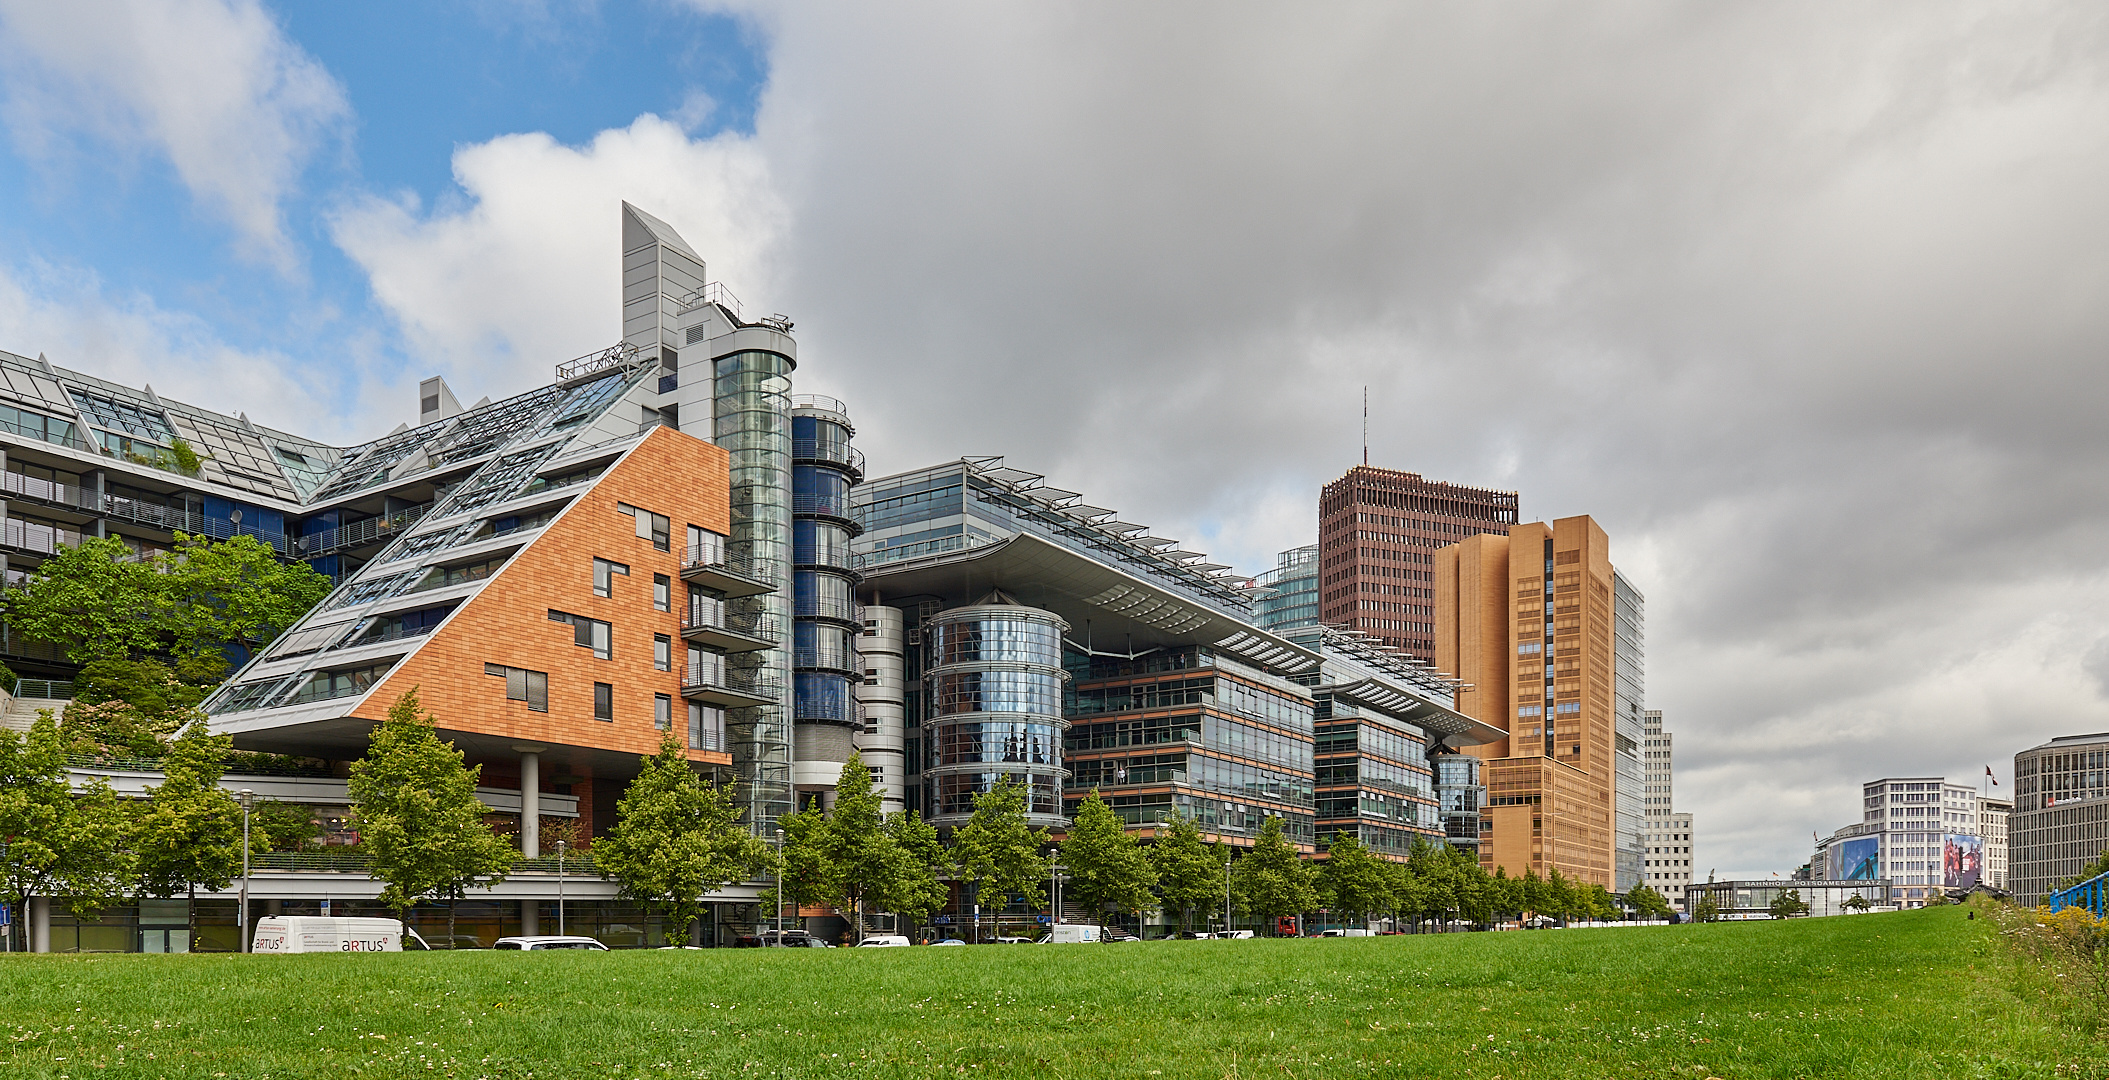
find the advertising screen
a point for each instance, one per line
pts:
(1962, 860)
(1859, 859)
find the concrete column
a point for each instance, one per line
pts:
(40, 924)
(530, 918)
(530, 800)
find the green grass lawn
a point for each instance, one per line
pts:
(1916, 994)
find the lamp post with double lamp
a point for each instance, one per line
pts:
(1054, 892)
(779, 899)
(560, 887)
(248, 799)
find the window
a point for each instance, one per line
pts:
(604, 702)
(604, 576)
(662, 652)
(706, 727)
(650, 526)
(443, 576)
(663, 712)
(587, 633)
(704, 547)
(523, 685)
(662, 593)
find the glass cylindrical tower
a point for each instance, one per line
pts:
(826, 615)
(993, 683)
(883, 695)
(753, 407)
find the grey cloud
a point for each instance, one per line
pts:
(1803, 303)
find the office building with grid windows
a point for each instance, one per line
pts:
(1378, 532)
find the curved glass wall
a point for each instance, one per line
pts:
(753, 424)
(993, 693)
(823, 584)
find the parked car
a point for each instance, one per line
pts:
(1344, 933)
(1115, 934)
(310, 933)
(884, 941)
(544, 942)
(1071, 934)
(788, 939)
(1014, 941)
(949, 941)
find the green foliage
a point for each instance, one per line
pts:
(1272, 880)
(1352, 882)
(676, 838)
(1106, 865)
(185, 459)
(997, 851)
(282, 826)
(102, 602)
(859, 860)
(190, 831)
(2095, 869)
(53, 841)
(1189, 872)
(1707, 909)
(1648, 903)
(414, 804)
(1787, 903)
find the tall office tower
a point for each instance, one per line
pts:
(1992, 817)
(1378, 531)
(2060, 820)
(1526, 620)
(1629, 689)
(735, 390)
(1658, 759)
(827, 616)
(1292, 597)
(1668, 866)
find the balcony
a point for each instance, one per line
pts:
(833, 452)
(729, 689)
(833, 507)
(844, 661)
(735, 577)
(820, 607)
(745, 632)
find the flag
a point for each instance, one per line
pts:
(1995, 779)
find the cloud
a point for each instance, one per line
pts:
(127, 338)
(1802, 303)
(521, 270)
(215, 86)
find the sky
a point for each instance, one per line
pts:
(1804, 303)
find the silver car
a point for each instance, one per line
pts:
(550, 941)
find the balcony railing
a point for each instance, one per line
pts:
(734, 576)
(731, 683)
(827, 659)
(323, 691)
(54, 689)
(830, 452)
(37, 537)
(716, 627)
(360, 532)
(818, 607)
(834, 506)
(615, 356)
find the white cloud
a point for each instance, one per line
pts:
(215, 86)
(69, 317)
(522, 271)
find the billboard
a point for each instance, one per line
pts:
(1858, 859)
(1962, 860)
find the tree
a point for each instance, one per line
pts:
(1787, 903)
(1857, 902)
(55, 842)
(1706, 910)
(1189, 872)
(997, 850)
(414, 804)
(190, 831)
(1351, 881)
(1106, 865)
(104, 602)
(1560, 900)
(676, 838)
(1648, 903)
(861, 850)
(912, 888)
(1272, 880)
(283, 826)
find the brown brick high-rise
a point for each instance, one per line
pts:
(1378, 531)
(1526, 620)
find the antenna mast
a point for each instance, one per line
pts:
(1365, 424)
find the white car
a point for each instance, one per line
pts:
(550, 941)
(884, 941)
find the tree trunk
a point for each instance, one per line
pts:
(452, 901)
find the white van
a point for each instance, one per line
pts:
(1072, 934)
(311, 933)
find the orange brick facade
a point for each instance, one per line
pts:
(507, 622)
(1549, 803)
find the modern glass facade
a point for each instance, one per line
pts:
(992, 694)
(753, 424)
(1628, 698)
(827, 616)
(1294, 585)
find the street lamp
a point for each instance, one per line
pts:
(779, 900)
(560, 887)
(248, 799)
(1054, 891)
(1226, 892)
